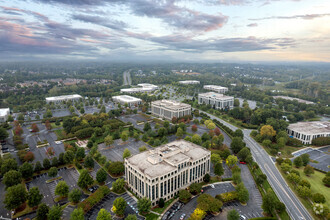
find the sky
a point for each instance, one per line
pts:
(165, 30)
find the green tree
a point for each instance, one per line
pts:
(304, 191)
(124, 136)
(237, 144)
(42, 211)
(80, 154)
(308, 170)
(161, 203)
(3, 133)
(261, 179)
(238, 133)
(26, 170)
(34, 197)
(218, 169)
(54, 162)
(267, 131)
(126, 153)
(244, 153)
(7, 165)
(101, 175)
(119, 206)
(231, 160)
(233, 215)
(77, 214)
(285, 167)
(62, 189)
(118, 185)
(207, 178)
(85, 179)
(269, 202)
(15, 196)
(305, 159)
(103, 215)
(144, 205)
(12, 178)
(54, 213)
(131, 217)
(75, 195)
(195, 188)
(318, 198)
(46, 164)
(208, 203)
(237, 178)
(179, 133)
(196, 139)
(38, 167)
(215, 158)
(146, 127)
(184, 195)
(298, 162)
(108, 140)
(89, 162)
(52, 172)
(68, 157)
(242, 193)
(211, 126)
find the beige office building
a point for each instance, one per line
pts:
(163, 171)
(218, 89)
(216, 100)
(168, 109)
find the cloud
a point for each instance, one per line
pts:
(306, 17)
(113, 24)
(252, 25)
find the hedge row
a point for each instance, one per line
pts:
(321, 141)
(227, 197)
(94, 198)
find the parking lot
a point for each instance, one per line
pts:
(320, 154)
(108, 181)
(115, 151)
(227, 172)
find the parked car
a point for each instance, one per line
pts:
(182, 216)
(242, 162)
(242, 217)
(212, 186)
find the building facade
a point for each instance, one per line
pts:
(126, 99)
(4, 113)
(144, 87)
(189, 82)
(168, 109)
(58, 99)
(216, 100)
(307, 131)
(218, 89)
(163, 171)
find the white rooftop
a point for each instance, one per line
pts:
(214, 95)
(171, 104)
(311, 127)
(215, 87)
(189, 81)
(4, 111)
(126, 98)
(63, 97)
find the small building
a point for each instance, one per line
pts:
(216, 100)
(307, 131)
(58, 99)
(4, 113)
(144, 87)
(189, 82)
(126, 99)
(163, 171)
(168, 109)
(215, 88)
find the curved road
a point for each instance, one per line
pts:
(293, 205)
(127, 78)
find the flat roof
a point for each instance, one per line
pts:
(170, 104)
(166, 158)
(62, 97)
(146, 85)
(215, 87)
(127, 98)
(189, 81)
(215, 95)
(311, 127)
(4, 111)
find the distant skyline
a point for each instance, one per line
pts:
(166, 30)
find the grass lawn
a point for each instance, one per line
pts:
(56, 126)
(59, 134)
(151, 216)
(161, 210)
(288, 150)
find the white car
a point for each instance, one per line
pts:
(182, 216)
(58, 142)
(242, 217)
(212, 186)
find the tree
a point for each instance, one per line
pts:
(161, 203)
(38, 167)
(231, 160)
(279, 206)
(26, 170)
(238, 133)
(308, 170)
(143, 148)
(48, 125)
(124, 136)
(131, 217)
(119, 206)
(15, 196)
(75, 195)
(3, 133)
(68, 157)
(218, 169)
(195, 188)
(285, 167)
(89, 162)
(215, 158)
(42, 211)
(116, 168)
(242, 193)
(184, 195)
(207, 178)
(326, 179)
(194, 128)
(268, 202)
(7, 165)
(233, 215)
(101, 175)
(77, 214)
(261, 179)
(304, 191)
(118, 185)
(85, 179)
(12, 178)
(298, 162)
(54, 162)
(198, 214)
(237, 144)
(196, 139)
(126, 153)
(108, 140)
(34, 127)
(62, 189)
(80, 154)
(318, 198)
(103, 215)
(144, 205)
(146, 127)
(217, 131)
(46, 164)
(211, 126)
(179, 133)
(237, 178)
(208, 203)
(244, 153)
(136, 136)
(267, 131)
(305, 159)
(54, 213)
(52, 172)
(34, 197)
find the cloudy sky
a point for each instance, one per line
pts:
(183, 30)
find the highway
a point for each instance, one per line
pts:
(293, 205)
(127, 78)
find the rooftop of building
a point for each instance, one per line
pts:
(55, 98)
(215, 95)
(189, 81)
(4, 111)
(215, 87)
(166, 158)
(311, 127)
(146, 85)
(171, 104)
(126, 98)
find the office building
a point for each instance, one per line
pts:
(216, 100)
(4, 113)
(144, 87)
(218, 89)
(168, 109)
(163, 171)
(126, 99)
(189, 82)
(58, 99)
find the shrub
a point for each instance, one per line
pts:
(94, 198)
(227, 197)
(321, 141)
(116, 168)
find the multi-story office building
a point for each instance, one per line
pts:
(126, 99)
(4, 113)
(163, 171)
(218, 89)
(189, 82)
(144, 87)
(307, 131)
(216, 100)
(168, 109)
(57, 99)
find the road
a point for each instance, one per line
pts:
(293, 205)
(127, 78)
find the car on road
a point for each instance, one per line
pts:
(242, 162)
(242, 217)
(182, 216)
